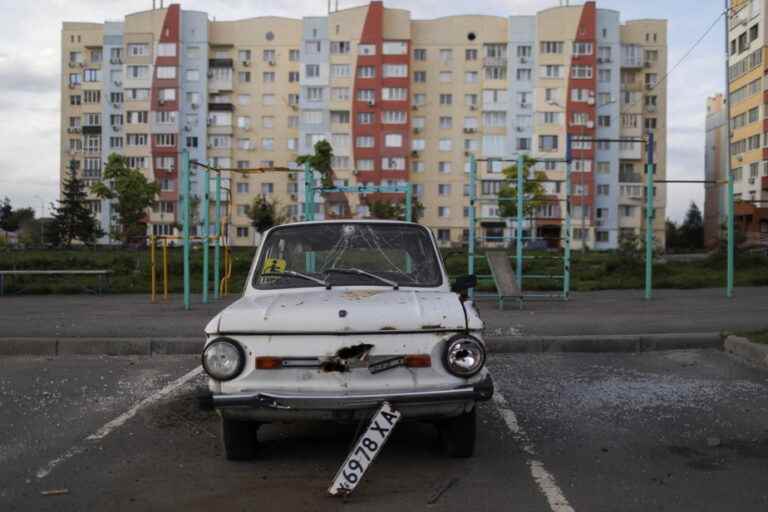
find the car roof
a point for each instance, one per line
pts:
(348, 221)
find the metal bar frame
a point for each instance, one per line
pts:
(521, 179)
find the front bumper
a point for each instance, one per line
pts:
(479, 392)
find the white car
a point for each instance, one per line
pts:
(338, 317)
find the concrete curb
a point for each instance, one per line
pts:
(497, 345)
(742, 348)
(604, 343)
(100, 346)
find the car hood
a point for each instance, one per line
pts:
(342, 311)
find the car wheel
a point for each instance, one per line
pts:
(240, 439)
(458, 434)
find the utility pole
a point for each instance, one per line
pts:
(729, 174)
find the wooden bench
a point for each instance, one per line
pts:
(504, 277)
(103, 276)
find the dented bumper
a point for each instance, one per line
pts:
(481, 391)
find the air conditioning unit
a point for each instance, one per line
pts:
(415, 107)
(590, 124)
(650, 86)
(118, 83)
(210, 74)
(295, 107)
(210, 146)
(72, 64)
(82, 64)
(648, 64)
(469, 130)
(524, 105)
(187, 128)
(294, 197)
(116, 127)
(417, 130)
(371, 103)
(246, 63)
(71, 86)
(590, 101)
(161, 102)
(599, 60)
(271, 63)
(751, 181)
(292, 176)
(520, 129)
(193, 106)
(415, 154)
(116, 106)
(523, 60)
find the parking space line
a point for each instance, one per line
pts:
(543, 478)
(107, 428)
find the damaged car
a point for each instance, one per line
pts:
(339, 317)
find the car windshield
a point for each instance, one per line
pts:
(341, 254)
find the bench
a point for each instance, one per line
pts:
(504, 277)
(103, 276)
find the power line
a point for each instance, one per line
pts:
(690, 50)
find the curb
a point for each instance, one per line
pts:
(100, 346)
(744, 349)
(604, 343)
(496, 345)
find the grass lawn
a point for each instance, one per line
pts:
(589, 271)
(755, 336)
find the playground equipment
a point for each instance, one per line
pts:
(310, 190)
(164, 243)
(519, 239)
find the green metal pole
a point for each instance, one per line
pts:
(567, 255)
(731, 236)
(216, 244)
(185, 218)
(409, 203)
(472, 239)
(649, 221)
(206, 232)
(309, 193)
(520, 217)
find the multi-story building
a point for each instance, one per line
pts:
(715, 163)
(748, 93)
(400, 100)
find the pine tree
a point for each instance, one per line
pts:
(692, 230)
(72, 220)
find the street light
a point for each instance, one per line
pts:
(42, 214)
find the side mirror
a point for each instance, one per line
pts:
(462, 284)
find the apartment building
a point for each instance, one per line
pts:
(715, 164)
(400, 100)
(748, 118)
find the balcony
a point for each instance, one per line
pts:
(91, 129)
(495, 61)
(764, 181)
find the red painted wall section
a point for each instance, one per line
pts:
(373, 34)
(169, 34)
(585, 33)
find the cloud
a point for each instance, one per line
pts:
(19, 75)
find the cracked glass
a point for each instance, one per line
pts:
(401, 253)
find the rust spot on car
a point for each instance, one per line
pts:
(355, 351)
(360, 294)
(346, 358)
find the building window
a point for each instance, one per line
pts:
(420, 76)
(395, 70)
(419, 54)
(366, 72)
(446, 55)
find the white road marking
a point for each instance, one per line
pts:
(543, 478)
(105, 430)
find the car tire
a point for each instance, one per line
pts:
(459, 433)
(240, 439)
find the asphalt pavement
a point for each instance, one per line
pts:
(674, 430)
(618, 312)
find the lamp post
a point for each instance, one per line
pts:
(42, 214)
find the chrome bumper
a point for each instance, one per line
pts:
(481, 391)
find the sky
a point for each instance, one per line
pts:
(30, 66)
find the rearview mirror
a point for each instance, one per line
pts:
(462, 284)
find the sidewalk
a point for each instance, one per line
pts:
(623, 312)
(593, 313)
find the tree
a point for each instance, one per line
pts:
(320, 161)
(386, 210)
(12, 220)
(534, 194)
(673, 236)
(133, 193)
(72, 220)
(264, 214)
(692, 230)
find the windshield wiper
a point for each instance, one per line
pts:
(359, 272)
(293, 273)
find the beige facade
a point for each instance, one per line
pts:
(258, 92)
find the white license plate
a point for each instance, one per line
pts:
(365, 450)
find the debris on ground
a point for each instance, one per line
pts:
(55, 492)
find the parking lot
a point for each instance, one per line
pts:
(680, 430)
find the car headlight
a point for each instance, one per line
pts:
(464, 355)
(223, 359)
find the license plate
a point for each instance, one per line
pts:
(364, 451)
